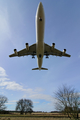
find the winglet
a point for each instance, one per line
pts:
(39, 69)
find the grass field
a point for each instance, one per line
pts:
(30, 118)
(34, 116)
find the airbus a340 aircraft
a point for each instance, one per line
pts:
(40, 48)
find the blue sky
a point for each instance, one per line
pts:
(17, 27)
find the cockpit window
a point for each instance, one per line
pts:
(40, 55)
(40, 19)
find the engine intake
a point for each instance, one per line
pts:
(27, 46)
(53, 45)
(15, 51)
(64, 51)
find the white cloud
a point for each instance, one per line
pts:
(2, 72)
(32, 91)
(12, 85)
(3, 79)
(42, 96)
(38, 89)
(12, 102)
(7, 83)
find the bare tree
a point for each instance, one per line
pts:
(24, 105)
(3, 100)
(67, 101)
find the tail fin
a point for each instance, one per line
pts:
(39, 69)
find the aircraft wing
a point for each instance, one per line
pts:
(49, 51)
(23, 52)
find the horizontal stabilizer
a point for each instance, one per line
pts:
(39, 69)
(44, 69)
(35, 69)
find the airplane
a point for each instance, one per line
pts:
(40, 48)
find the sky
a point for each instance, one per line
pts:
(17, 27)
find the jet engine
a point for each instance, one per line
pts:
(53, 45)
(27, 46)
(64, 51)
(15, 51)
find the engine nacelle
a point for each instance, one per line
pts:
(15, 51)
(64, 51)
(27, 46)
(53, 45)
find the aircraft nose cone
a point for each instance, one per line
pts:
(40, 4)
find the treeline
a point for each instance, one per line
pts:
(11, 112)
(23, 105)
(67, 102)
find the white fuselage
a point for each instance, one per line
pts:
(40, 22)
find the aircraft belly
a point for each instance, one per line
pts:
(40, 60)
(40, 48)
(40, 34)
(40, 53)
